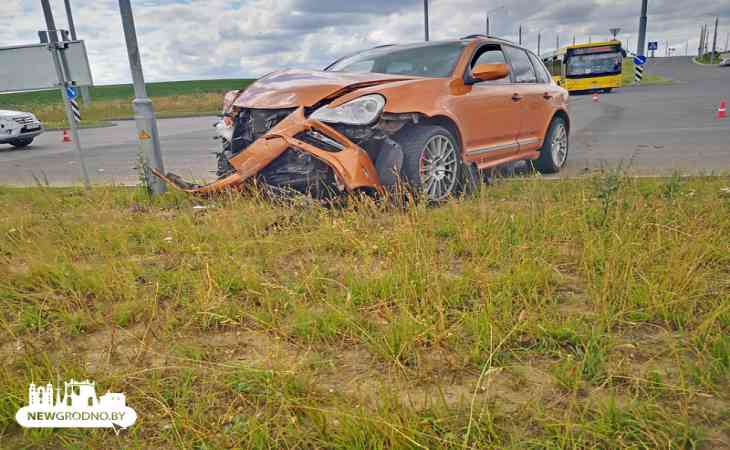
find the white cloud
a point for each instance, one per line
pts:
(191, 39)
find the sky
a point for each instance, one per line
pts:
(205, 39)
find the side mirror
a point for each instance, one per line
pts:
(490, 72)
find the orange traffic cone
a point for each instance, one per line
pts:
(595, 96)
(722, 110)
(66, 137)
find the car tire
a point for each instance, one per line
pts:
(554, 151)
(432, 162)
(21, 143)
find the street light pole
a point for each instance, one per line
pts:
(539, 38)
(425, 18)
(640, 50)
(144, 111)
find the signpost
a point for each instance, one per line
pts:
(653, 47)
(60, 62)
(639, 61)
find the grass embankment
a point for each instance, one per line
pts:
(588, 313)
(649, 78)
(171, 99)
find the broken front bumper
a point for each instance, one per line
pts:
(288, 148)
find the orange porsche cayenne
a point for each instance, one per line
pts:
(431, 114)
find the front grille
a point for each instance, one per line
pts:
(254, 123)
(24, 120)
(300, 172)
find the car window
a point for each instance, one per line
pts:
(542, 74)
(521, 65)
(490, 54)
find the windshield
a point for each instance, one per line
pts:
(595, 64)
(432, 61)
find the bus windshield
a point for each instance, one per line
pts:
(594, 64)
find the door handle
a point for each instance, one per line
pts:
(516, 97)
(547, 96)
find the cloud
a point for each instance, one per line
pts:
(191, 39)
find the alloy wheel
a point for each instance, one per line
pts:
(559, 145)
(439, 168)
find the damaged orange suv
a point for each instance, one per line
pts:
(430, 114)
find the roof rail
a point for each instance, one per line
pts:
(484, 36)
(474, 36)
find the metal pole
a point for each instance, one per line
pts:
(641, 47)
(520, 35)
(425, 18)
(487, 24)
(69, 16)
(557, 41)
(53, 47)
(144, 112)
(714, 41)
(539, 37)
(85, 94)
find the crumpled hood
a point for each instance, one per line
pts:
(295, 88)
(4, 113)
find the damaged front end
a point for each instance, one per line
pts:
(290, 149)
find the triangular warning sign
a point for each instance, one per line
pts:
(143, 135)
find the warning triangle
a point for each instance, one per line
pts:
(143, 135)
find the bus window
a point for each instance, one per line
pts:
(594, 64)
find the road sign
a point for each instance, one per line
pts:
(653, 46)
(639, 60)
(71, 91)
(30, 67)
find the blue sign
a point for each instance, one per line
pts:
(639, 60)
(71, 91)
(653, 46)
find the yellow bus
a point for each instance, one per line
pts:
(588, 67)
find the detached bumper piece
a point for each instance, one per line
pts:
(297, 154)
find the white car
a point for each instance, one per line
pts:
(18, 128)
(725, 63)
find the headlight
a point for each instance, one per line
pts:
(361, 111)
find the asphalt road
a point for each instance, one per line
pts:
(648, 130)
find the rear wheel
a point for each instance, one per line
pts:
(554, 151)
(432, 162)
(21, 143)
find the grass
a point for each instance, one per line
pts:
(649, 78)
(171, 99)
(590, 313)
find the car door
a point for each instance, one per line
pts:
(533, 97)
(488, 118)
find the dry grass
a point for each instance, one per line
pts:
(588, 313)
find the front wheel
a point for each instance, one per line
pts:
(554, 151)
(21, 143)
(432, 162)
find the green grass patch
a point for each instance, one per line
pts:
(171, 99)
(649, 78)
(586, 313)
